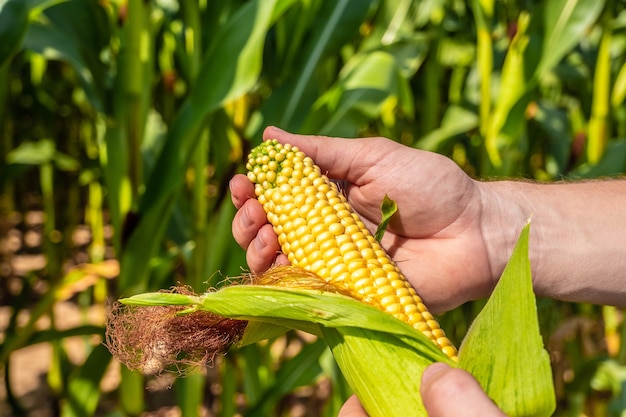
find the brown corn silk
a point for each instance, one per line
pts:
(152, 339)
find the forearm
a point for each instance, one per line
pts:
(578, 235)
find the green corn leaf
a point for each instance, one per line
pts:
(598, 130)
(33, 153)
(618, 94)
(83, 391)
(367, 81)
(160, 299)
(566, 21)
(294, 308)
(290, 102)
(301, 370)
(189, 393)
(388, 208)
(229, 70)
(503, 131)
(384, 372)
(257, 331)
(13, 26)
(504, 349)
(456, 121)
(75, 32)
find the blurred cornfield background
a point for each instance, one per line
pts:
(122, 122)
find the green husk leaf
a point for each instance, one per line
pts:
(369, 345)
(384, 372)
(257, 331)
(300, 308)
(160, 299)
(504, 349)
(388, 207)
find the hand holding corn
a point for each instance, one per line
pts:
(456, 234)
(319, 231)
(277, 193)
(435, 238)
(453, 235)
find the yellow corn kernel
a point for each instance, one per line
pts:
(319, 232)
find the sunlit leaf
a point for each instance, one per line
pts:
(337, 21)
(75, 32)
(160, 299)
(13, 27)
(505, 124)
(566, 21)
(370, 346)
(504, 348)
(302, 369)
(367, 82)
(228, 70)
(388, 207)
(383, 372)
(598, 128)
(276, 304)
(33, 153)
(83, 390)
(456, 121)
(42, 152)
(619, 88)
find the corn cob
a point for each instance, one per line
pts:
(318, 231)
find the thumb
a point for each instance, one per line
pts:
(346, 159)
(451, 392)
(352, 408)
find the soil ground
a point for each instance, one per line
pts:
(21, 262)
(21, 259)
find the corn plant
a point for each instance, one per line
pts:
(131, 116)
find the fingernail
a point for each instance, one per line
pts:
(276, 130)
(246, 219)
(258, 243)
(433, 370)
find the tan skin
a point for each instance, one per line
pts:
(437, 230)
(452, 237)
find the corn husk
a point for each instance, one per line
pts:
(503, 348)
(383, 358)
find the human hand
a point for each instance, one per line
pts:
(445, 392)
(436, 235)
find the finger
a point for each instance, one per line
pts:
(263, 250)
(250, 228)
(352, 408)
(348, 159)
(247, 222)
(451, 392)
(360, 162)
(241, 190)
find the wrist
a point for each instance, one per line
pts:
(504, 212)
(577, 242)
